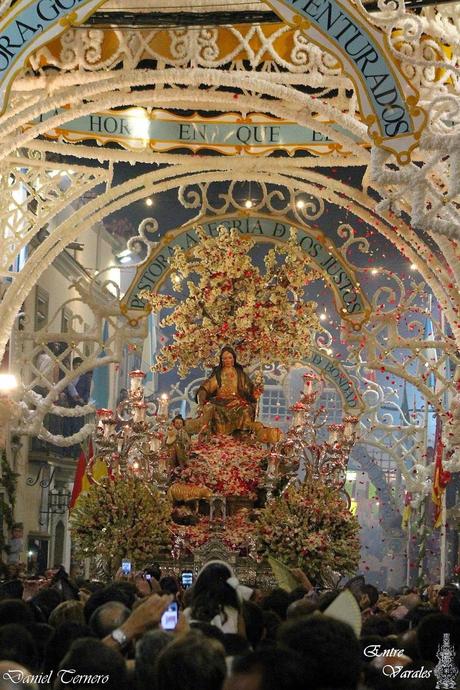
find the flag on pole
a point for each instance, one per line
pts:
(80, 474)
(440, 477)
(407, 512)
(82, 482)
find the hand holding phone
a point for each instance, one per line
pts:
(186, 579)
(126, 566)
(170, 616)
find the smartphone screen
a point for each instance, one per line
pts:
(186, 579)
(169, 618)
(125, 566)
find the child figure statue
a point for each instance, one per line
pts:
(15, 544)
(178, 442)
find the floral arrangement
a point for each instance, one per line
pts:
(236, 532)
(121, 519)
(310, 527)
(226, 466)
(261, 315)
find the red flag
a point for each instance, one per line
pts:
(80, 474)
(440, 477)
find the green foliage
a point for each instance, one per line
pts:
(8, 481)
(121, 519)
(310, 527)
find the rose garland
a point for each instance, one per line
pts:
(310, 527)
(262, 315)
(121, 519)
(236, 532)
(225, 466)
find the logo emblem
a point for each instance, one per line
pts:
(445, 671)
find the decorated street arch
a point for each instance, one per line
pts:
(326, 118)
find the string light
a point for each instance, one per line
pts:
(149, 201)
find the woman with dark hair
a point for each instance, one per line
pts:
(227, 399)
(217, 598)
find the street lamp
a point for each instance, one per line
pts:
(8, 383)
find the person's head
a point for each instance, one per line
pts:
(154, 570)
(212, 593)
(76, 362)
(169, 585)
(277, 601)
(267, 670)
(449, 600)
(227, 357)
(91, 657)
(103, 596)
(108, 617)
(41, 633)
(178, 422)
(70, 610)
(59, 644)
(16, 679)
(17, 531)
(369, 596)
(192, 661)
(11, 589)
(147, 651)
(45, 601)
(300, 608)
(15, 611)
(17, 644)
(329, 648)
(380, 624)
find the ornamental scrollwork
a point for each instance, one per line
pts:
(254, 195)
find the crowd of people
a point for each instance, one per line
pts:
(57, 633)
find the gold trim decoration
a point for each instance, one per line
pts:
(381, 87)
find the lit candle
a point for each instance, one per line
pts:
(163, 405)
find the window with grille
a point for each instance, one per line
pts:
(273, 404)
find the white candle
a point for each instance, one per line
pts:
(163, 405)
(109, 427)
(136, 377)
(139, 412)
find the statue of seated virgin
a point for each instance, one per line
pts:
(227, 403)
